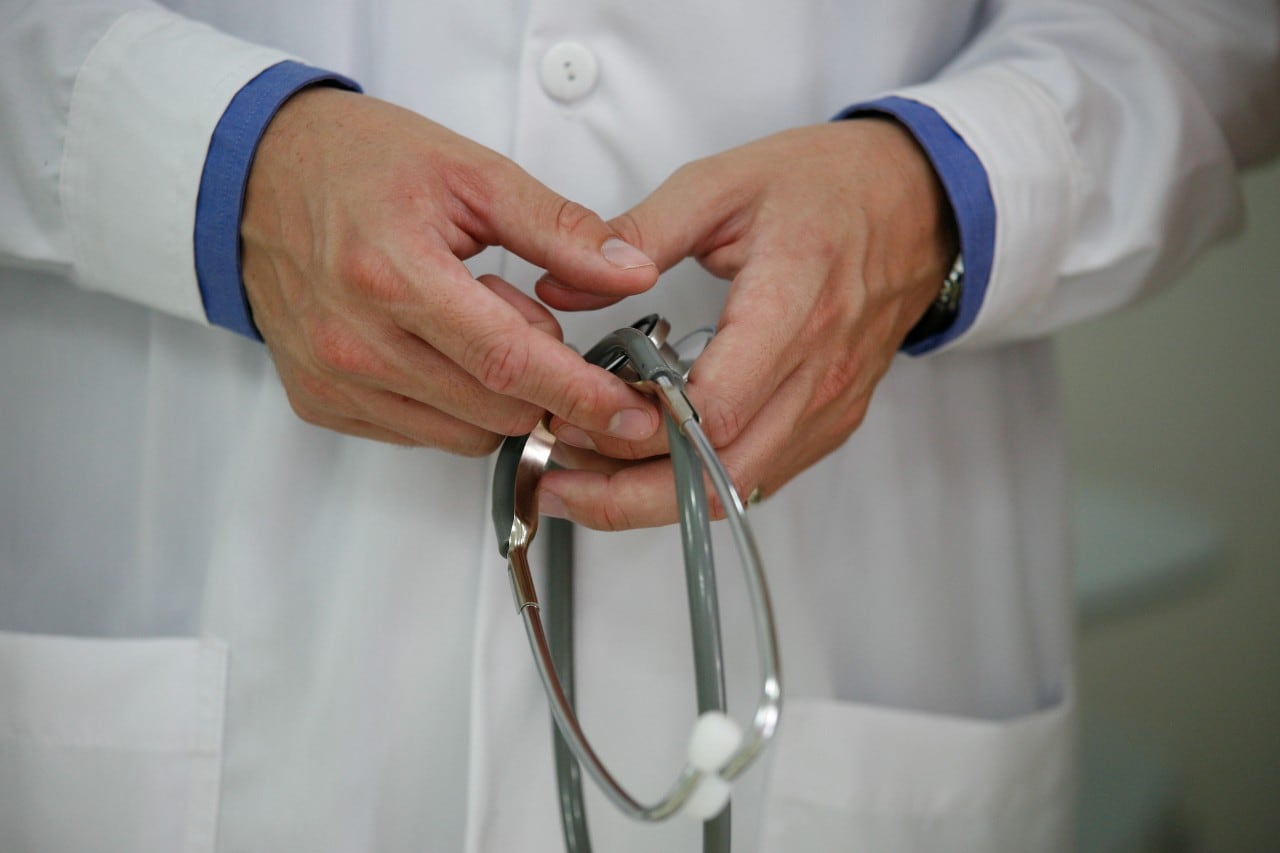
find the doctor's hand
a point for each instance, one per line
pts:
(357, 217)
(836, 239)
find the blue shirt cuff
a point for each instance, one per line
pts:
(965, 181)
(222, 187)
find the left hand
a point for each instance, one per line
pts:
(836, 238)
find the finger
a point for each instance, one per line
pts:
(362, 356)
(766, 329)
(357, 428)
(429, 377)
(493, 342)
(426, 425)
(563, 237)
(638, 495)
(764, 334)
(766, 455)
(566, 298)
(681, 218)
(533, 311)
(577, 459)
(374, 413)
(827, 433)
(667, 226)
(569, 435)
(643, 494)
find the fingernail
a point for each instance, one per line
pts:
(631, 424)
(624, 255)
(570, 434)
(549, 504)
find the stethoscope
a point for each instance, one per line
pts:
(718, 751)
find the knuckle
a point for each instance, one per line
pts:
(835, 382)
(817, 243)
(715, 508)
(474, 180)
(581, 409)
(740, 480)
(738, 477)
(628, 229)
(311, 390)
(368, 274)
(613, 516)
(621, 448)
(722, 422)
(478, 445)
(336, 348)
(855, 414)
(517, 421)
(305, 411)
(306, 389)
(499, 361)
(570, 217)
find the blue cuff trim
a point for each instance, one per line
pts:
(222, 187)
(965, 180)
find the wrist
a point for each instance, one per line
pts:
(968, 191)
(287, 143)
(942, 312)
(224, 182)
(931, 265)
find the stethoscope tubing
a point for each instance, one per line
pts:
(704, 604)
(704, 617)
(692, 456)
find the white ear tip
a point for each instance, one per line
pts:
(708, 799)
(714, 740)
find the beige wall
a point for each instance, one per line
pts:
(1181, 395)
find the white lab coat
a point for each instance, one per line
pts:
(223, 629)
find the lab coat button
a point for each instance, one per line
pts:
(569, 71)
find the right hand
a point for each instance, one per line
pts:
(357, 217)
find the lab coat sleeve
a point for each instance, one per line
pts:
(106, 113)
(223, 184)
(969, 194)
(1111, 134)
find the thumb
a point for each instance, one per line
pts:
(666, 227)
(678, 218)
(570, 241)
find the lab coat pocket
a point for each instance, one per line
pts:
(856, 777)
(109, 745)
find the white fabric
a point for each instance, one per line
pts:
(102, 731)
(176, 546)
(141, 250)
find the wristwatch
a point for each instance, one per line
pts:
(942, 313)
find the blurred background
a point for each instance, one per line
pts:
(1173, 412)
